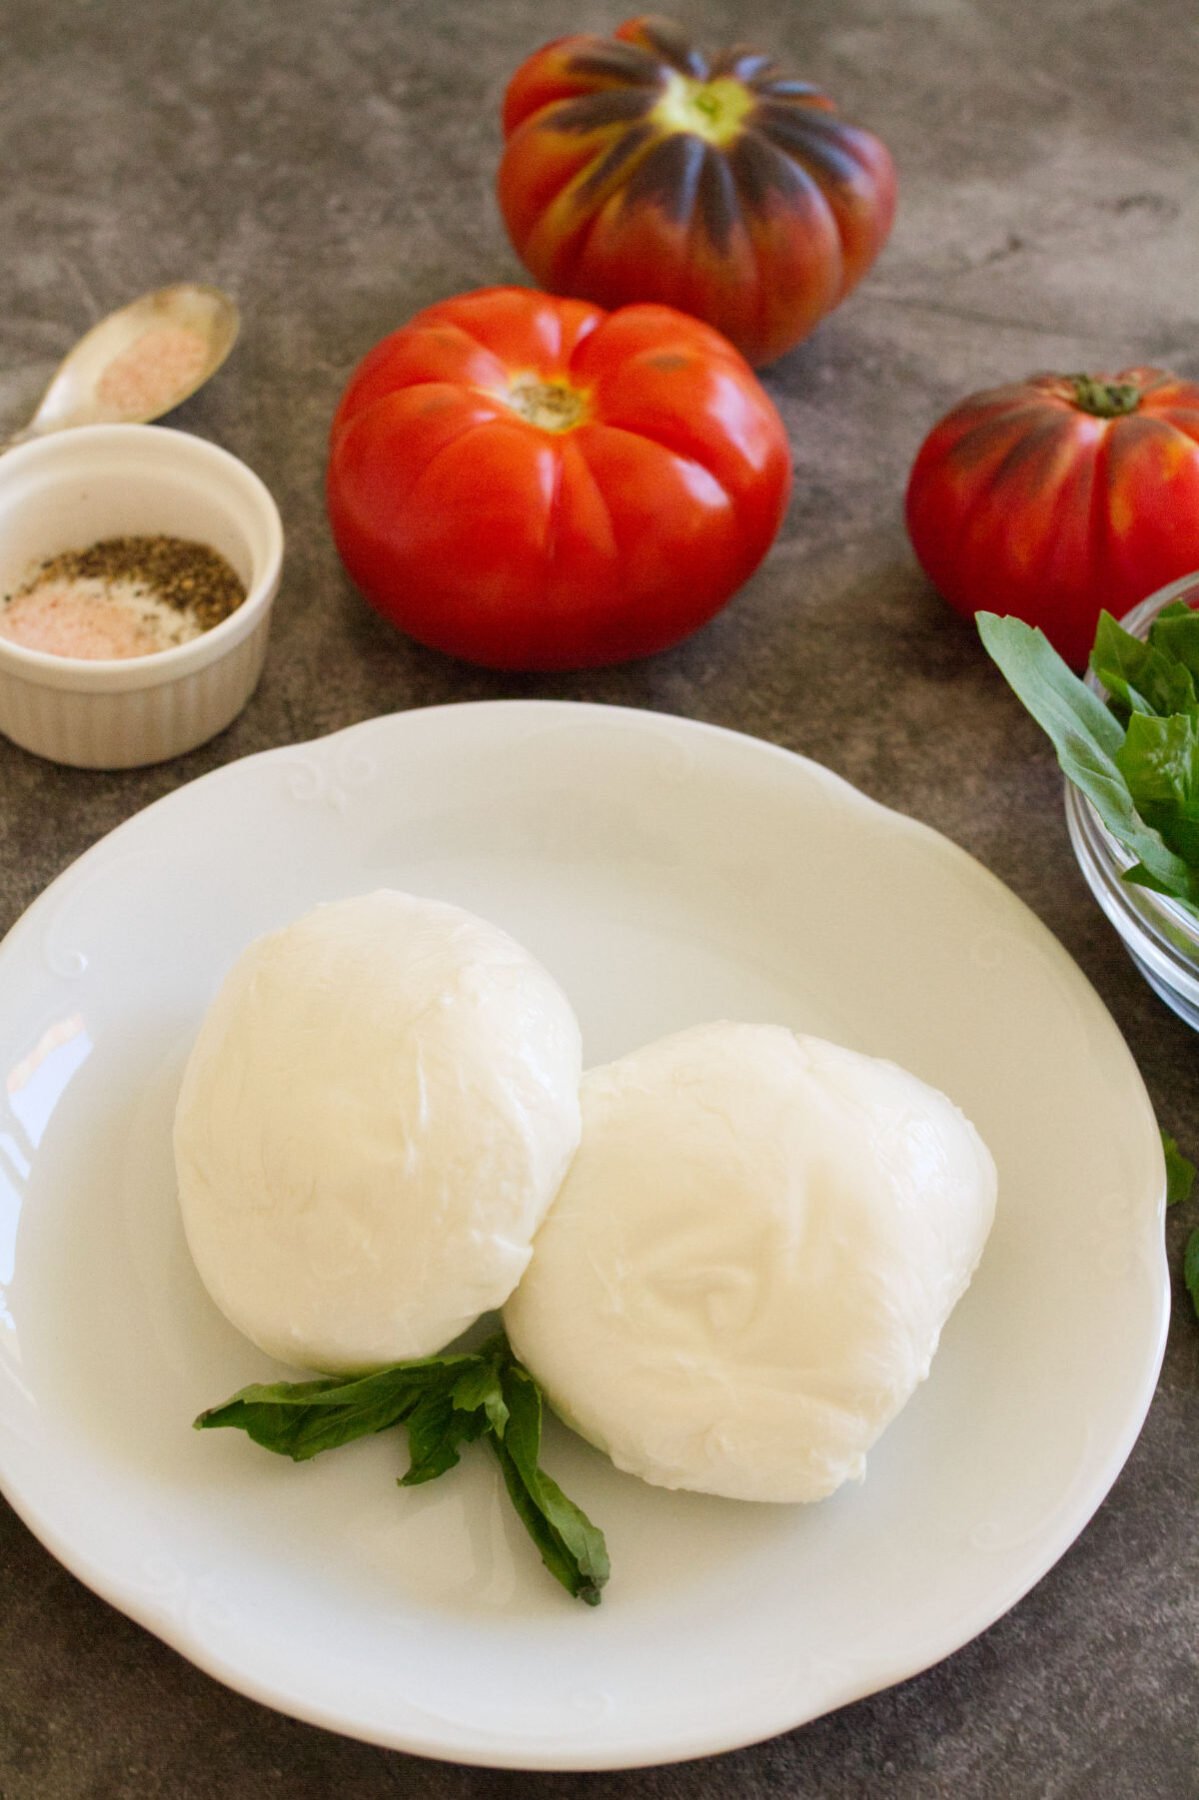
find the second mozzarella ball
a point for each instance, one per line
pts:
(748, 1266)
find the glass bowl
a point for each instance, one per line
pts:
(1161, 935)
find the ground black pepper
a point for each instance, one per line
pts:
(191, 577)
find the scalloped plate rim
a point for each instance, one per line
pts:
(502, 1752)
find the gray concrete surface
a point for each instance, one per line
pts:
(331, 164)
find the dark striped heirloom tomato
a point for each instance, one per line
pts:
(534, 483)
(637, 168)
(1056, 497)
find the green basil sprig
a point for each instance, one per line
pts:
(1136, 759)
(1138, 766)
(445, 1402)
(1180, 1172)
(1180, 1184)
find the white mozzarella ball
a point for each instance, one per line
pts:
(377, 1112)
(747, 1269)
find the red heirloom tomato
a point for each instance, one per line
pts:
(1059, 496)
(533, 483)
(637, 168)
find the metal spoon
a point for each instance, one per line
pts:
(140, 362)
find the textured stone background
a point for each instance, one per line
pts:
(331, 164)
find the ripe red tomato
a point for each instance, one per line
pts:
(637, 168)
(1060, 496)
(533, 483)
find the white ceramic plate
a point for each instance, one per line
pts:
(667, 873)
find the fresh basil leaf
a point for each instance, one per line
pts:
(436, 1428)
(583, 1541)
(1159, 759)
(1190, 1268)
(553, 1552)
(303, 1432)
(1178, 827)
(1175, 632)
(1177, 609)
(280, 1419)
(1062, 704)
(1170, 687)
(301, 1418)
(1118, 659)
(482, 1387)
(1140, 676)
(1087, 739)
(572, 1548)
(1123, 698)
(1180, 1172)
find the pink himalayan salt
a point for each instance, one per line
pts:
(162, 364)
(92, 619)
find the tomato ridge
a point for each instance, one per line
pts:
(600, 173)
(981, 501)
(646, 436)
(1184, 419)
(443, 450)
(553, 519)
(668, 41)
(614, 60)
(572, 252)
(1098, 515)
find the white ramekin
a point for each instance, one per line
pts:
(76, 487)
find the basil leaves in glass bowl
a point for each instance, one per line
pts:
(1127, 738)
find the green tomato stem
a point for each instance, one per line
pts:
(1104, 399)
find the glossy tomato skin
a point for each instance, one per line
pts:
(637, 168)
(1023, 501)
(540, 543)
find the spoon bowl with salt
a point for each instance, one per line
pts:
(139, 362)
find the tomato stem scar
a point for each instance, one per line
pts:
(550, 404)
(711, 110)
